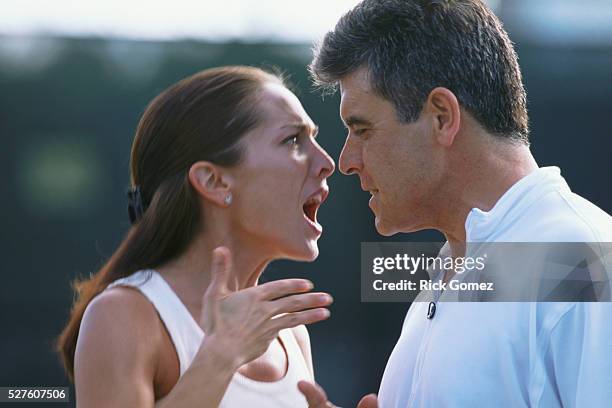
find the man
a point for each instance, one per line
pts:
(435, 108)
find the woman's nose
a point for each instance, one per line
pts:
(324, 164)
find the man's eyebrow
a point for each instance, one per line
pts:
(356, 121)
(303, 127)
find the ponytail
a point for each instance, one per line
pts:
(202, 117)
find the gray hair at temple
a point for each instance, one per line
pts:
(411, 47)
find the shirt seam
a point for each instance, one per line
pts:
(580, 216)
(547, 344)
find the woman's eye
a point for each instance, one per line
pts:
(292, 140)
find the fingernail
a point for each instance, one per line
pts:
(326, 298)
(325, 313)
(309, 284)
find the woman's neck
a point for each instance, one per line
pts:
(190, 272)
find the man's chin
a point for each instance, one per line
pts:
(384, 228)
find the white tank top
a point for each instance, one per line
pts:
(187, 336)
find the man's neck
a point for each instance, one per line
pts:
(485, 177)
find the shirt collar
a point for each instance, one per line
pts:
(434, 273)
(481, 226)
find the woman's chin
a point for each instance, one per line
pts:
(313, 250)
(314, 254)
(306, 253)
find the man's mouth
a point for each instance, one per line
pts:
(368, 189)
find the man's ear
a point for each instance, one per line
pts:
(211, 181)
(446, 114)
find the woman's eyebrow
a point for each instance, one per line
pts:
(303, 127)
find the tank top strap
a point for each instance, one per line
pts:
(284, 389)
(295, 355)
(184, 332)
(187, 336)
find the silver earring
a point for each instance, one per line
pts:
(228, 199)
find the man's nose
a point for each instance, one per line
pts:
(350, 158)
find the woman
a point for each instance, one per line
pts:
(227, 176)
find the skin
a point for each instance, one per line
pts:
(279, 173)
(428, 174)
(282, 167)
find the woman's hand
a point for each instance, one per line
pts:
(245, 322)
(317, 398)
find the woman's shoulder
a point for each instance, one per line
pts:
(117, 349)
(121, 298)
(120, 318)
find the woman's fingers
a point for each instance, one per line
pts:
(369, 401)
(249, 319)
(280, 288)
(289, 320)
(315, 395)
(296, 303)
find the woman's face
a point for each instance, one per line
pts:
(281, 181)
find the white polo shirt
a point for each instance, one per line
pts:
(511, 354)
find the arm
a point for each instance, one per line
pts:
(579, 357)
(113, 366)
(205, 380)
(233, 342)
(116, 356)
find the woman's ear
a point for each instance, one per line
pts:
(212, 182)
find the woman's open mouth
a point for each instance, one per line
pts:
(311, 206)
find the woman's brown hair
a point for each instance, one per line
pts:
(202, 117)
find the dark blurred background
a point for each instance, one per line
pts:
(68, 109)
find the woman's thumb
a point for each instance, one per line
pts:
(219, 272)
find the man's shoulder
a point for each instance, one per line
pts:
(563, 216)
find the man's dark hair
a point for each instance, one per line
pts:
(411, 47)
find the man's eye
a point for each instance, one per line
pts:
(360, 132)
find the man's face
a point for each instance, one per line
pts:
(398, 163)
